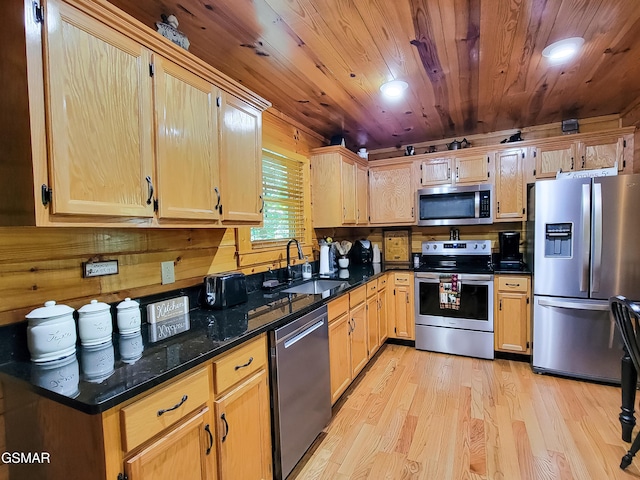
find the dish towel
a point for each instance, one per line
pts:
(450, 292)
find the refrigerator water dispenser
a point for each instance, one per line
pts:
(558, 240)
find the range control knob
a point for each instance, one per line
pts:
(475, 246)
(427, 247)
(484, 246)
(435, 246)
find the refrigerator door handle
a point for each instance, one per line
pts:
(586, 227)
(573, 305)
(597, 237)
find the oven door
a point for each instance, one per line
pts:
(476, 302)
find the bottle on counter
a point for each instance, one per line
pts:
(306, 269)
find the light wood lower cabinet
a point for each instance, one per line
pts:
(357, 329)
(184, 452)
(339, 355)
(359, 352)
(244, 430)
(402, 315)
(513, 313)
(373, 326)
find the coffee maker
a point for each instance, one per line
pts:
(510, 256)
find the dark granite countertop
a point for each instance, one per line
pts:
(98, 378)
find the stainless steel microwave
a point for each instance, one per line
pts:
(452, 205)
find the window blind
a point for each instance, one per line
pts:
(283, 193)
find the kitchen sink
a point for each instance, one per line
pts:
(314, 287)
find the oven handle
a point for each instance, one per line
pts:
(463, 277)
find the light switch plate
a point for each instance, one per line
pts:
(168, 273)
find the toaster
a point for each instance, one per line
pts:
(225, 290)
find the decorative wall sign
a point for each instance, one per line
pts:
(397, 247)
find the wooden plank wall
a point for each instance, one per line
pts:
(421, 234)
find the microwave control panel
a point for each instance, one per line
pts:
(485, 204)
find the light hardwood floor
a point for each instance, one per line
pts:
(415, 414)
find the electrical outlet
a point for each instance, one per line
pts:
(168, 274)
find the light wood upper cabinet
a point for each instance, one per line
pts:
(436, 171)
(601, 151)
(471, 169)
(588, 152)
(187, 143)
(510, 185)
(554, 157)
(100, 117)
(362, 195)
(184, 452)
(393, 194)
(240, 162)
(338, 187)
(109, 124)
(454, 169)
(349, 196)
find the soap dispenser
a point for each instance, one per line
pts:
(306, 269)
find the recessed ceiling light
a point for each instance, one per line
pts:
(563, 49)
(394, 88)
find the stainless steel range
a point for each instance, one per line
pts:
(454, 298)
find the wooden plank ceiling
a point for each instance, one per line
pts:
(473, 66)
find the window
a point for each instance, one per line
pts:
(283, 194)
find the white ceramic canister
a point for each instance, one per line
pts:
(51, 333)
(128, 316)
(94, 323)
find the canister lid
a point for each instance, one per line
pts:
(49, 310)
(128, 303)
(94, 306)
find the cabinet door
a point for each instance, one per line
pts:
(100, 117)
(393, 197)
(373, 328)
(358, 337)
(403, 312)
(240, 162)
(362, 195)
(339, 356)
(436, 171)
(243, 430)
(326, 190)
(510, 191)
(348, 173)
(185, 452)
(383, 316)
(601, 152)
(554, 157)
(512, 332)
(187, 143)
(471, 169)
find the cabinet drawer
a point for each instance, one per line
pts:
(513, 283)
(382, 282)
(155, 412)
(239, 364)
(338, 307)
(372, 288)
(357, 296)
(403, 278)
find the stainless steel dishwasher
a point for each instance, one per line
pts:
(300, 386)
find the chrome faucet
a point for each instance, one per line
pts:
(300, 256)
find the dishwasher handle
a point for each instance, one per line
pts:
(303, 334)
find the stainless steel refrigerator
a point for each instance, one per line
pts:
(586, 249)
